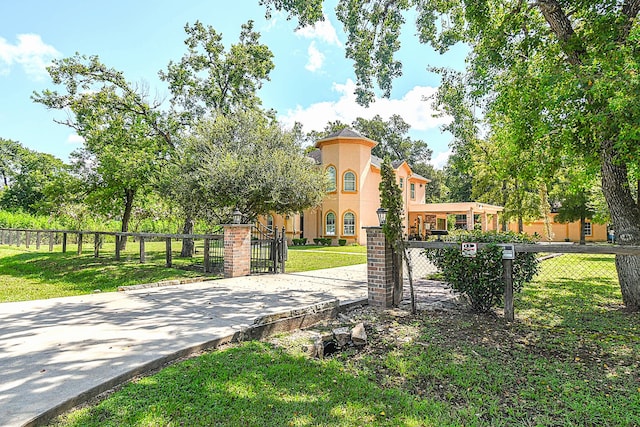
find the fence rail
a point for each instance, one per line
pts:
(425, 267)
(212, 247)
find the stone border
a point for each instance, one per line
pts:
(162, 283)
(262, 328)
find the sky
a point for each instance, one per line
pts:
(312, 82)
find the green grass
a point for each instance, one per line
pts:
(27, 274)
(572, 358)
(306, 258)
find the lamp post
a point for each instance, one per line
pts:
(237, 216)
(382, 216)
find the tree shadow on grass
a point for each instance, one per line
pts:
(258, 385)
(45, 275)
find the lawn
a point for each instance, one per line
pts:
(571, 358)
(27, 274)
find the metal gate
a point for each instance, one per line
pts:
(268, 250)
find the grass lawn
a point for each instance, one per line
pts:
(30, 274)
(571, 358)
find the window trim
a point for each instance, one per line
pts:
(588, 226)
(412, 190)
(401, 183)
(355, 181)
(326, 229)
(344, 223)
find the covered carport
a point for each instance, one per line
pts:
(431, 216)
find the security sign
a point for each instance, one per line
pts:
(469, 250)
(508, 251)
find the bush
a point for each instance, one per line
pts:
(342, 242)
(316, 240)
(299, 242)
(480, 278)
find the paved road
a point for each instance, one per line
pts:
(53, 351)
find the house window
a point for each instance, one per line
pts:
(401, 183)
(349, 222)
(331, 174)
(412, 187)
(587, 229)
(330, 224)
(270, 221)
(349, 183)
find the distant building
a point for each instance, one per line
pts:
(563, 232)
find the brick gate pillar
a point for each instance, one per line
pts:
(379, 269)
(237, 250)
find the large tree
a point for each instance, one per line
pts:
(125, 138)
(578, 60)
(210, 80)
(246, 161)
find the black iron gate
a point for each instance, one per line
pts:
(268, 250)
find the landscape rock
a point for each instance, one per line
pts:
(359, 335)
(342, 336)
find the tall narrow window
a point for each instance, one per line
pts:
(270, 221)
(412, 187)
(330, 225)
(349, 181)
(331, 174)
(401, 183)
(349, 222)
(587, 229)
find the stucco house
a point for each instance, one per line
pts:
(562, 232)
(353, 196)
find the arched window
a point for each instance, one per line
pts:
(349, 181)
(349, 223)
(331, 174)
(330, 224)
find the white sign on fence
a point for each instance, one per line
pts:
(508, 251)
(469, 250)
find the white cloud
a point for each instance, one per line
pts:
(74, 139)
(440, 159)
(30, 52)
(316, 58)
(412, 107)
(322, 30)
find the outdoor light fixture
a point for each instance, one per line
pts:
(382, 216)
(237, 216)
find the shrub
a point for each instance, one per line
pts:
(342, 242)
(299, 242)
(480, 278)
(316, 240)
(326, 241)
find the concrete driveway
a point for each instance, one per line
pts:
(56, 353)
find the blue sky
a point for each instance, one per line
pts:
(312, 81)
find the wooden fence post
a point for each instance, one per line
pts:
(168, 255)
(2, 237)
(79, 243)
(142, 254)
(17, 237)
(117, 247)
(207, 259)
(27, 239)
(38, 239)
(507, 275)
(64, 242)
(96, 245)
(51, 241)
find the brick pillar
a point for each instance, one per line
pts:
(237, 250)
(379, 269)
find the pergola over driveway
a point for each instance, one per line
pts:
(462, 208)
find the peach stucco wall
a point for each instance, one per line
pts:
(563, 231)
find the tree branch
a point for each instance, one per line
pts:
(561, 26)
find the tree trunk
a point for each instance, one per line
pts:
(188, 248)
(582, 235)
(396, 262)
(625, 216)
(126, 216)
(520, 224)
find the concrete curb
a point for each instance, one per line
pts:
(262, 328)
(162, 283)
